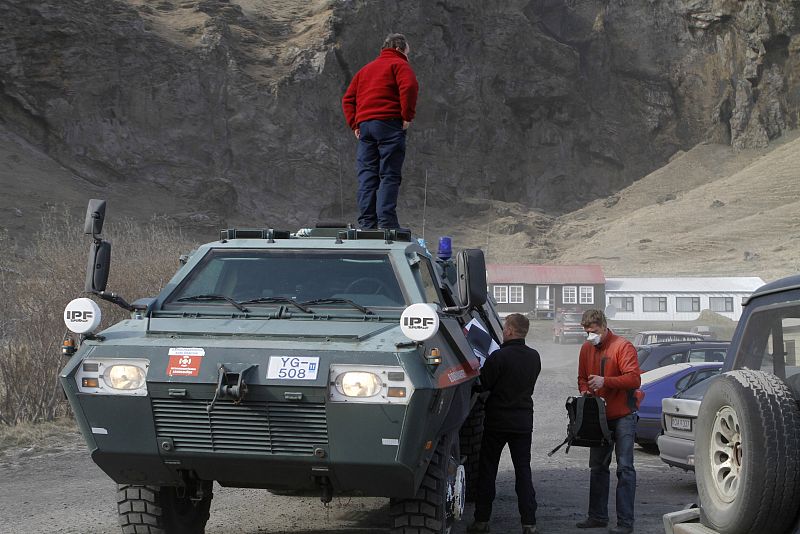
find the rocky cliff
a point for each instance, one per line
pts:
(232, 107)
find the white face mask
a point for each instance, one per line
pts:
(593, 338)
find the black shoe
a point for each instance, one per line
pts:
(478, 527)
(591, 522)
(620, 530)
(530, 529)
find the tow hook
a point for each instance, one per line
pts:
(231, 384)
(327, 490)
(190, 488)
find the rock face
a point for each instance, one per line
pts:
(233, 107)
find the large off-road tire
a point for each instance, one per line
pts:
(747, 454)
(429, 511)
(160, 510)
(470, 437)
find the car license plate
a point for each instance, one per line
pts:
(681, 423)
(293, 367)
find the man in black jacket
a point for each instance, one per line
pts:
(510, 375)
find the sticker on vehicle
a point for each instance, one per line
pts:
(185, 361)
(293, 367)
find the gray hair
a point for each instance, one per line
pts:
(395, 40)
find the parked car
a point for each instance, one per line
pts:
(662, 383)
(661, 354)
(659, 336)
(676, 442)
(704, 331)
(567, 326)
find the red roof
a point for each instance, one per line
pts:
(545, 274)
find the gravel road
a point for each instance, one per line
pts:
(62, 491)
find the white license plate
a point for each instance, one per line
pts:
(293, 367)
(681, 423)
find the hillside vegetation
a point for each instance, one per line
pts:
(710, 211)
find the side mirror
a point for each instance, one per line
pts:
(98, 266)
(471, 268)
(95, 215)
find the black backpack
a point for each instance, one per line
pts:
(587, 425)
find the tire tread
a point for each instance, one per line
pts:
(773, 412)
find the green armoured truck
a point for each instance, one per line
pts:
(747, 448)
(328, 361)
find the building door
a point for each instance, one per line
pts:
(543, 298)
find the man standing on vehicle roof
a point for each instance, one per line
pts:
(608, 367)
(510, 375)
(379, 105)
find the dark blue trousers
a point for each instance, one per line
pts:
(379, 161)
(492, 444)
(624, 431)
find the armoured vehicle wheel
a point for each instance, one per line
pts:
(436, 506)
(747, 454)
(470, 438)
(161, 510)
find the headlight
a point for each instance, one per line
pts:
(369, 384)
(113, 376)
(124, 377)
(358, 384)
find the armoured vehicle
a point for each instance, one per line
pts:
(330, 361)
(747, 437)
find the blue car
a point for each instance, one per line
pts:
(665, 382)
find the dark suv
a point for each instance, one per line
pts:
(660, 354)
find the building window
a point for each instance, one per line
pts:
(720, 304)
(501, 294)
(623, 304)
(587, 295)
(654, 304)
(687, 304)
(515, 295)
(569, 294)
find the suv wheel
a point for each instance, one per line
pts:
(439, 501)
(747, 454)
(162, 509)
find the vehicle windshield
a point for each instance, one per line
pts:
(265, 277)
(643, 354)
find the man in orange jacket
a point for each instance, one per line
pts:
(608, 367)
(379, 105)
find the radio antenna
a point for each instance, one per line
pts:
(341, 192)
(424, 204)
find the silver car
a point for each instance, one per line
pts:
(678, 421)
(649, 337)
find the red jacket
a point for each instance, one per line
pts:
(622, 373)
(385, 88)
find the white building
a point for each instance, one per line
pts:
(678, 299)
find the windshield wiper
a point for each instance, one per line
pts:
(356, 305)
(227, 299)
(278, 300)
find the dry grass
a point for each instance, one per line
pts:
(39, 435)
(37, 284)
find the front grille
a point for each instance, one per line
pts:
(249, 427)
